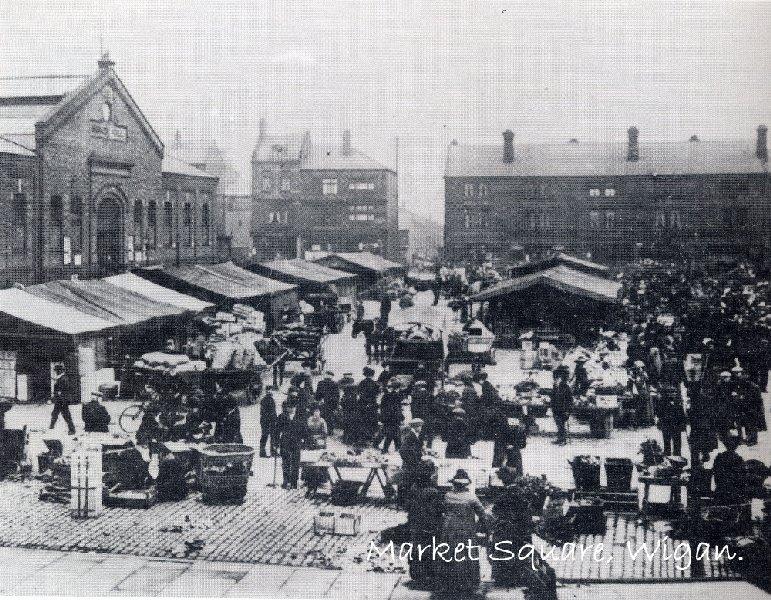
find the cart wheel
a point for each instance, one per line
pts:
(131, 418)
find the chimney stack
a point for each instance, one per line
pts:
(633, 148)
(346, 150)
(508, 146)
(762, 150)
(263, 127)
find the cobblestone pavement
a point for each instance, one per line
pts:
(52, 573)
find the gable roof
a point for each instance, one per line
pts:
(364, 260)
(275, 148)
(579, 264)
(52, 100)
(562, 278)
(604, 159)
(305, 270)
(331, 158)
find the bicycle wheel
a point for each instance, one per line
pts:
(131, 418)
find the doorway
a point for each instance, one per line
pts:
(109, 247)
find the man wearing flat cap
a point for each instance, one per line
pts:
(328, 397)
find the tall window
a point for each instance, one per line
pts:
(610, 219)
(594, 219)
(329, 187)
(265, 184)
(19, 222)
(483, 189)
(57, 219)
(76, 222)
(137, 224)
(152, 224)
(205, 225)
(674, 220)
(285, 184)
(468, 190)
(168, 222)
(187, 222)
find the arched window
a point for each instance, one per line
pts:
(152, 224)
(106, 111)
(76, 223)
(137, 223)
(205, 225)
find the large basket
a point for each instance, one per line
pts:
(224, 472)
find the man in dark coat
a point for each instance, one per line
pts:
(490, 395)
(459, 435)
(391, 415)
(411, 452)
(671, 419)
(561, 402)
(750, 417)
(95, 416)
(730, 474)
(267, 422)
(722, 406)
(385, 308)
(290, 433)
(328, 396)
(63, 396)
(369, 391)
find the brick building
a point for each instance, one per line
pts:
(313, 197)
(85, 186)
(616, 202)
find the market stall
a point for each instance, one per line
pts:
(367, 266)
(226, 284)
(310, 277)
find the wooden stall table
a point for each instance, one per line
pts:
(677, 501)
(375, 470)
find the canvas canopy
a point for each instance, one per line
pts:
(562, 278)
(157, 293)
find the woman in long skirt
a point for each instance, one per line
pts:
(463, 516)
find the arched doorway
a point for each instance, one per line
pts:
(109, 247)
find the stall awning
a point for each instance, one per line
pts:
(562, 278)
(228, 280)
(305, 271)
(41, 312)
(157, 293)
(101, 299)
(361, 262)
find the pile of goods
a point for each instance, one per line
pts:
(351, 459)
(241, 318)
(235, 353)
(299, 336)
(395, 289)
(167, 363)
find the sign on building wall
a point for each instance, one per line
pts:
(108, 131)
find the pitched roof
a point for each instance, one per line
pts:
(53, 99)
(273, 148)
(579, 264)
(226, 279)
(9, 146)
(156, 292)
(366, 260)
(601, 159)
(562, 278)
(104, 300)
(177, 167)
(28, 307)
(306, 270)
(332, 158)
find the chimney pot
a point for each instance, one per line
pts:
(346, 151)
(633, 147)
(762, 146)
(508, 146)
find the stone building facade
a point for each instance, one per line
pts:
(615, 202)
(85, 185)
(313, 197)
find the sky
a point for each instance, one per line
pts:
(425, 72)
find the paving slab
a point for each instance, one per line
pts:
(261, 581)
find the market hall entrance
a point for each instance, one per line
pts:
(109, 249)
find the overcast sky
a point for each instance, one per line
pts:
(425, 71)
